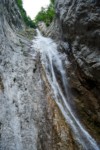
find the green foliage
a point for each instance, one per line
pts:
(52, 1)
(19, 3)
(46, 14)
(26, 19)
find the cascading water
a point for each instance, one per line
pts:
(50, 58)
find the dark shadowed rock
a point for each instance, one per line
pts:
(77, 23)
(80, 23)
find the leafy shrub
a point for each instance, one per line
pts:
(46, 14)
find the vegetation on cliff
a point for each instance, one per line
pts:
(26, 18)
(46, 14)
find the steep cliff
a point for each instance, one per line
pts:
(21, 95)
(77, 23)
(9, 13)
(29, 116)
(29, 119)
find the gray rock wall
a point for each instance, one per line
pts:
(80, 23)
(21, 98)
(79, 26)
(9, 11)
(27, 117)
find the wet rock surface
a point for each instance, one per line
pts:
(18, 99)
(78, 26)
(80, 21)
(9, 12)
(21, 94)
(60, 132)
(27, 120)
(29, 116)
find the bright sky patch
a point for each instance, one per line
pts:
(32, 7)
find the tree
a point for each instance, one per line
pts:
(26, 18)
(46, 14)
(52, 1)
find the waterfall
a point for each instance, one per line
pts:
(50, 59)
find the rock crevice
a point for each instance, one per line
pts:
(78, 26)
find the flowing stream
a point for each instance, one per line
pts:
(50, 59)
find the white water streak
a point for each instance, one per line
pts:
(50, 58)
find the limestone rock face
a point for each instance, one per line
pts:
(42, 27)
(80, 22)
(27, 120)
(29, 117)
(22, 99)
(10, 12)
(79, 27)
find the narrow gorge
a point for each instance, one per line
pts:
(50, 79)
